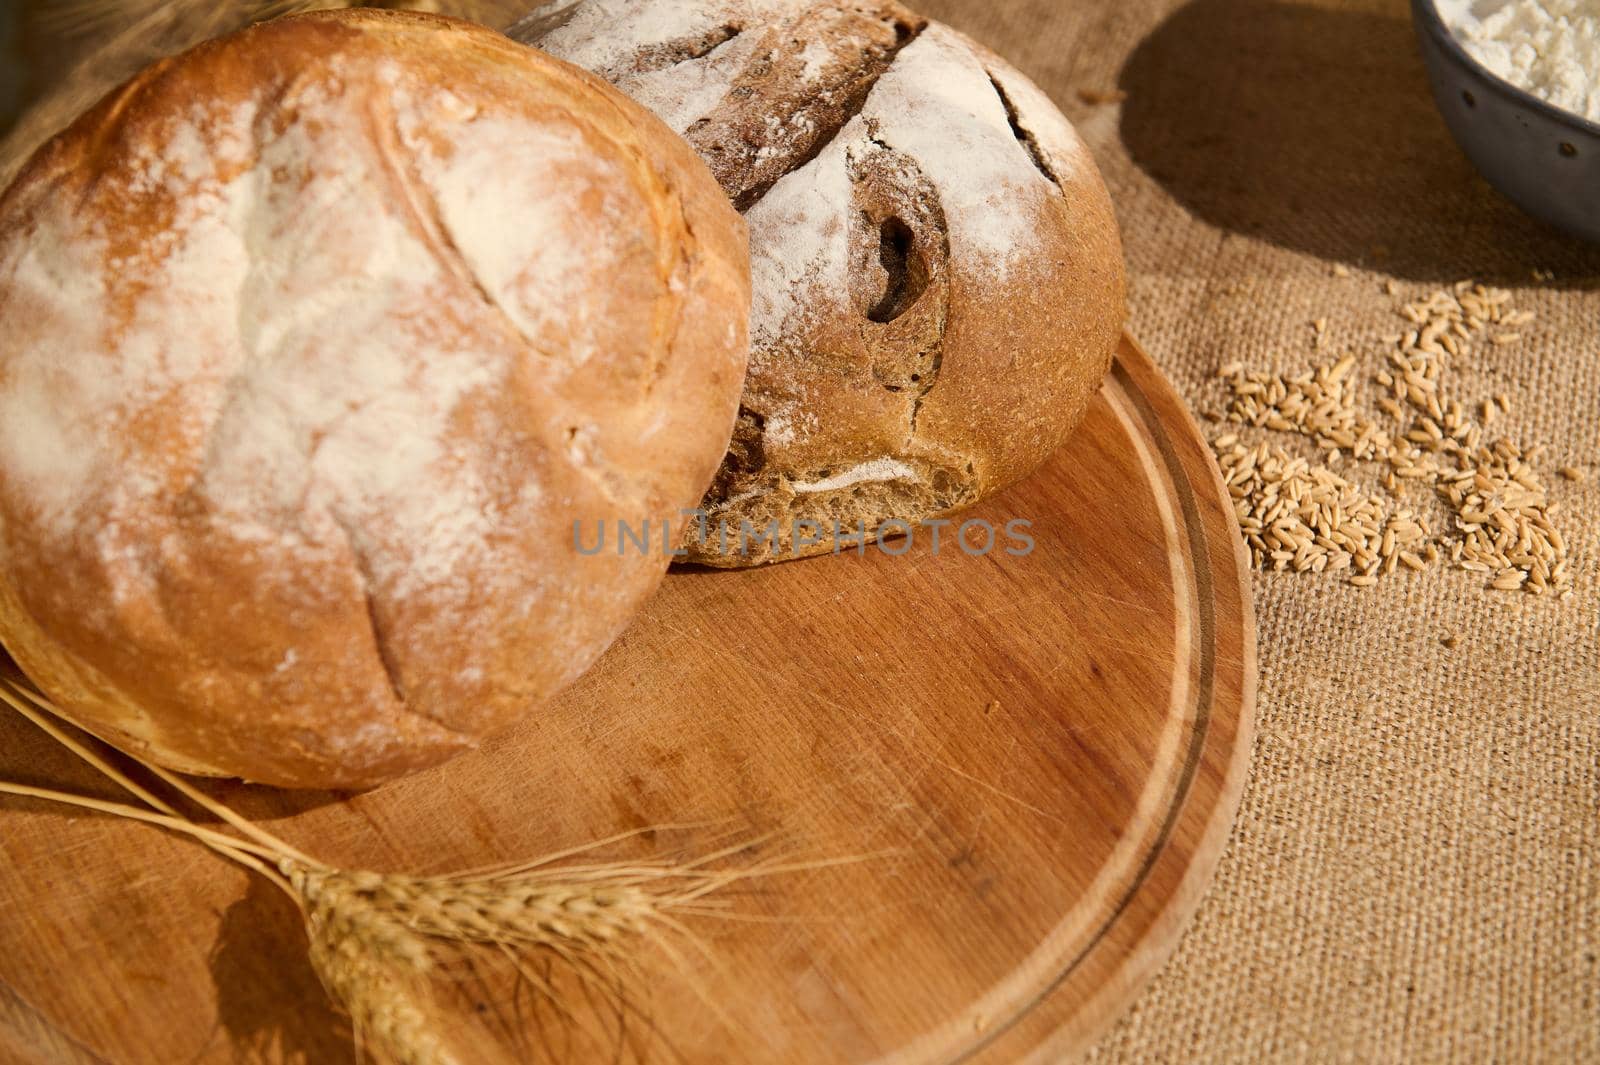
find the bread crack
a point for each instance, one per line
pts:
(1025, 137)
(745, 180)
(424, 210)
(380, 643)
(906, 266)
(687, 50)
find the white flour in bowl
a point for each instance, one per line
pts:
(1551, 48)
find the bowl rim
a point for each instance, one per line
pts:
(1427, 12)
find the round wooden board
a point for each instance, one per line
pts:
(1030, 762)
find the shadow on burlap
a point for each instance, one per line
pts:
(1413, 875)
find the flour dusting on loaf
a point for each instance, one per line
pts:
(800, 249)
(307, 377)
(937, 274)
(938, 105)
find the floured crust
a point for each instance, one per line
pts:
(315, 343)
(938, 282)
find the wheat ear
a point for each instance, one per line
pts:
(373, 936)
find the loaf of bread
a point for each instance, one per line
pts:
(938, 285)
(316, 342)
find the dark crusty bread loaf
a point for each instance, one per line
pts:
(938, 285)
(314, 344)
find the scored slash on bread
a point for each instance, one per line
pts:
(937, 274)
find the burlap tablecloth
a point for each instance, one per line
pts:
(1413, 875)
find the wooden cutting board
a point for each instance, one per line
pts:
(1033, 763)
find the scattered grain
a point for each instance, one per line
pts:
(1307, 518)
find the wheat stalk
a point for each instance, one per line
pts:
(373, 938)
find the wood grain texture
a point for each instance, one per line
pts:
(1033, 761)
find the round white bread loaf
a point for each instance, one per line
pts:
(315, 343)
(938, 281)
